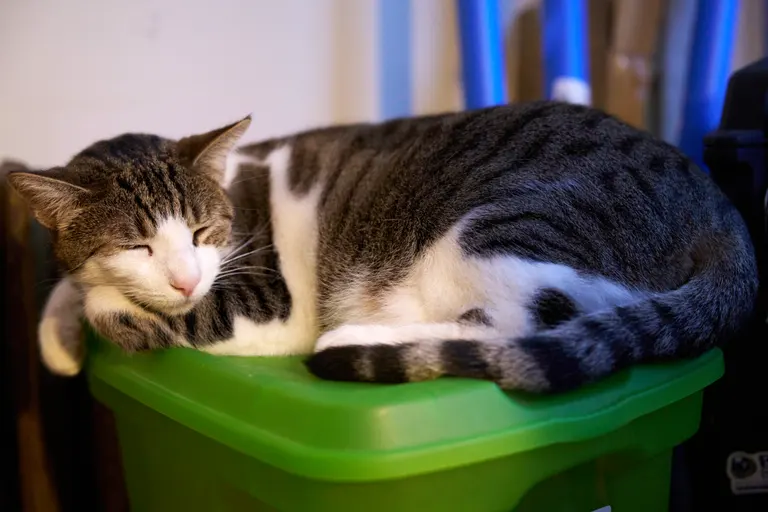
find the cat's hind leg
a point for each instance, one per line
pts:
(469, 316)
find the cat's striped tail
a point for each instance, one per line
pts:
(713, 305)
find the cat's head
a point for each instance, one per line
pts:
(140, 213)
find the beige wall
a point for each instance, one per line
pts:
(74, 71)
(435, 58)
(751, 33)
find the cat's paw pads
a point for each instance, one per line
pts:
(62, 348)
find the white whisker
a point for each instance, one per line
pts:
(256, 271)
(229, 260)
(241, 246)
(248, 267)
(245, 272)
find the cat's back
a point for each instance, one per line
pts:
(425, 173)
(481, 152)
(544, 180)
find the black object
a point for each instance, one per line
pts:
(725, 466)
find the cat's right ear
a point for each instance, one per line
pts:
(208, 151)
(53, 202)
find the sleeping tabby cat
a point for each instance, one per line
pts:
(541, 246)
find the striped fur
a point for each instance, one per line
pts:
(540, 246)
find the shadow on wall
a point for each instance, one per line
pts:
(60, 452)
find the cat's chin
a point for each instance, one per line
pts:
(178, 310)
(168, 307)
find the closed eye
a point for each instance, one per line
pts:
(140, 248)
(198, 236)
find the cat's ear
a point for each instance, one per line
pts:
(53, 202)
(209, 151)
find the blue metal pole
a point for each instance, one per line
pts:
(395, 58)
(481, 53)
(566, 58)
(708, 72)
(676, 54)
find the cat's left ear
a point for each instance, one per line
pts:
(54, 202)
(208, 151)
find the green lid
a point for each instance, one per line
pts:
(274, 410)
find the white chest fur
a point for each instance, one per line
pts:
(295, 232)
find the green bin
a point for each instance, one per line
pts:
(212, 433)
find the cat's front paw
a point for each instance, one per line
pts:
(62, 347)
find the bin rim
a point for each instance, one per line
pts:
(272, 409)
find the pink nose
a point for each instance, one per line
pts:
(185, 285)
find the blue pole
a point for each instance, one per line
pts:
(395, 58)
(676, 52)
(482, 64)
(566, 61)
(708, 72)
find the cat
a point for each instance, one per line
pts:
(542, 246)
